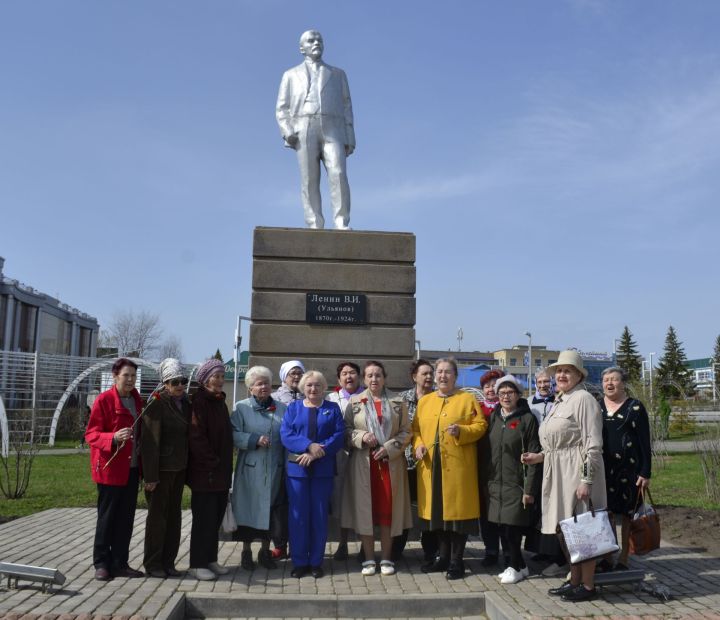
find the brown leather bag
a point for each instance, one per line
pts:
(644, 527)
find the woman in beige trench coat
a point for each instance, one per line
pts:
(377, 429)
(571, 441)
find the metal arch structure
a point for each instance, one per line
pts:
(79, 379)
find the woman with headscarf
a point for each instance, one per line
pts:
(571, 441)
(164, 449)
(209, 469)
(290, 374)
(258, 498)
(114, 463)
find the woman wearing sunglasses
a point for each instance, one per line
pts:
(164, 451)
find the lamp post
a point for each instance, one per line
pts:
(714, 382)
(651, 380)
(459, 338)
(238, 341)
(529, 335)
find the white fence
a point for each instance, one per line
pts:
(36, 389)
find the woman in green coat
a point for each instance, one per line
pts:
(512, 486)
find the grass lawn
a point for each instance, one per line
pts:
(61, 482)
(680, 482)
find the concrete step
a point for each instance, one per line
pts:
(214, 605)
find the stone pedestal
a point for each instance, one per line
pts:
(288, 263)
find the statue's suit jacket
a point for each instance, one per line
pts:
(335, 105)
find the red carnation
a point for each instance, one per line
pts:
(338, 388)
(514, 424)
(363, 401)
(271, 408)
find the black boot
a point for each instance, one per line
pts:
(265, 559)
(246, 560)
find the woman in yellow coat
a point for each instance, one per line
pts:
(446, 427)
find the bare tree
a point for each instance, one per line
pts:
(170, 347)
(136, 333)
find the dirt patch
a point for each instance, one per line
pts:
(691, 527)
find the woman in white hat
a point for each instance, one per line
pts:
(290, 374)
(571, 441)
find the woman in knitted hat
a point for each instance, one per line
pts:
(164, 451)
(209, 473)
(512, 486)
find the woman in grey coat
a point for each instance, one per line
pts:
(258, 497)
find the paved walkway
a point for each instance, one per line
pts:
(62, 538)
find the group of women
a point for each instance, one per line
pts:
(363, 453)
(179, 441)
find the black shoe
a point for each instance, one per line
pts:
(265, 559)
(246, 560)
(456, 570)
(438, 565)
(158, 573)
(563, 589)
(578, 594)
(300, 571)
(317, 572)
(174, 572)
(102, 574)
(489, 560)
(621, 566)
(341, 553)
(128, 572)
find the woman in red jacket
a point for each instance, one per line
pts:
(114, 462)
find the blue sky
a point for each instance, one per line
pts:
(558, 160)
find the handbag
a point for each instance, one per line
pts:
(644, 526)
(229, 524)
(587, 536)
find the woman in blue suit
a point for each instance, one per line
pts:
(313, 432)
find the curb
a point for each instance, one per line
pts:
(174, 609)
(333, 606)
(498, 609)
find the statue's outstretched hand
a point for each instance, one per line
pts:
(292, 140)
(349, 149)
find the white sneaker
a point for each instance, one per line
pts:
(204, 574)
(501, 575)
(387, 567)
(217, 569)
(554, 570)
(512, 576)
(368, 568)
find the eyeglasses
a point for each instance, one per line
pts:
(507, 393)
(176, 382)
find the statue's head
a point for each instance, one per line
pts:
(311, 44)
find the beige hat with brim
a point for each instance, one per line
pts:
(569, 358)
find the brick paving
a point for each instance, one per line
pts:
(62, 539)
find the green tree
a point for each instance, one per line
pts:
(218, 356)
(674, 379)
(628, 357)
